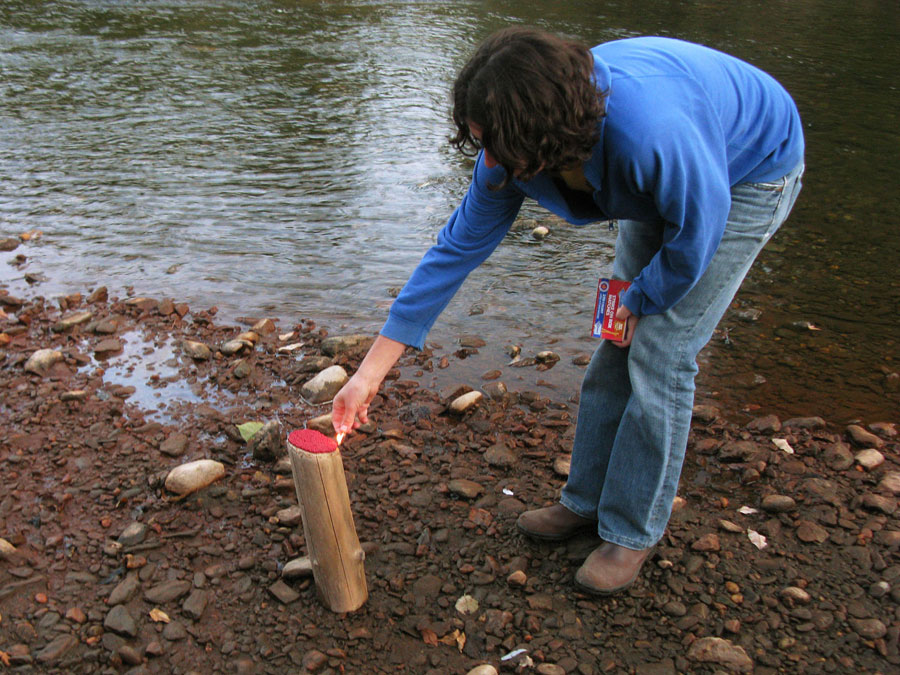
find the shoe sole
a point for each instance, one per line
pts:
(590, 527)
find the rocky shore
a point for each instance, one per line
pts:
(781, 556)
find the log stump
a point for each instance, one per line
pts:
(334, 550)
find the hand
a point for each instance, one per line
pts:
(351, 405)
(625, 314)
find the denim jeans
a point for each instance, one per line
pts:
(636, 403)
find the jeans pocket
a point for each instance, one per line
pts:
(770, 186)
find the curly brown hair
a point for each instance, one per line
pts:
(533, 95)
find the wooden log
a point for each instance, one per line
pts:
(337, 558)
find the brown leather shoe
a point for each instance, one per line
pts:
(610, 568)
(553, 523)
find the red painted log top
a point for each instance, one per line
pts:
(312, 441)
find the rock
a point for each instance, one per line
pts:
(106, 326)
(129, 655)
(322, 424)
(483, 669)
(338, 344)
(499, 455)
(98, 295)
(119, 621)
(56, 648)
(796, 595)
(174, 631)
(878, 503)
(804, 423)
(42, 360)
(547, 357)
(729, 526)
(863, 438)
(705, 414)
(72, 320)
(495, 390)
(871, 629)
(540, 232)
(465, 488)
(738, 451)
(194, 476)
(869, 459)
(297, 568)
(313, 661)
(290, 517)
(325, 385)
(9, 244)
(778, 503)
(721, 652)
(768, 424)
(517, 578)
(195, 604)
(107, 347)
(174, 445)
(142, 304)
(466, 402)
(124, 591)
(232, 347)
(76, 614)
(133, 534)
(8, 551)
(284, 593)
(267, 444)
(890, 482)
(886, 429)
(196, 350)
(167, 591)
(837, 456)
(562, 465)
(811, 533)
(707, 542)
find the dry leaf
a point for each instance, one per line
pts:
(4, 657)
(758, 540)
(429, 637)
(467, 605)
(455, 638)
(782, 444)
(159, 616)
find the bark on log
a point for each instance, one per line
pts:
(334, 550)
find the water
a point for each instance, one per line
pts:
(289, 158)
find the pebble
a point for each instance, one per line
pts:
(7, 550)
(886, 505)
(338, 344)
(778, 503)
(465, 488)
(133, 534)
(194, 476)
(871, 629)
(313, 660)
(869, 459)
(174, 631)
(290, 517)
(795, 594)
(297, 568)
(864, 438)
(107, 347)
(72, 320)
(551, 669)
(540, 232)
(811, 533)
(124, 591)
(707, 542)
(466, 402)
(167, 591)
(499, 455)
(42, 360)
(75, 614)
(517, 578)
(196, 350)
(484, 669)
(324, 385)
(120, 621)
(284, 593)
(721, 652)
(195, 604)
(129, 655)
(890, 482)
(562, 465)
(56, 648)
(174, 445)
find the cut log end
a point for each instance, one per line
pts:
(312, 441)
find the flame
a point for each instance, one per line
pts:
(340, 437)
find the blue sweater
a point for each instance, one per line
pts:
(684, 123)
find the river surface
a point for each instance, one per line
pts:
(290, 159)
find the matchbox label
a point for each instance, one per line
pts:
(605, 324)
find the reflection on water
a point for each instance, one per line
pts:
(290, 158)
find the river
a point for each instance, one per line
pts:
(290, 158)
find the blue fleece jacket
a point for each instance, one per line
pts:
(684, 123)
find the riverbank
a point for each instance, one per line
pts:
(782, 553)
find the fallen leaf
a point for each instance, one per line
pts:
(758, 540)
(158, 615)
(249, 429)
(429, 637)
(455, 638)
(467, 605)
(782, 444)
(4, 657)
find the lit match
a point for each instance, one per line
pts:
(340, 437)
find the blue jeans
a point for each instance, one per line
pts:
(636, 403)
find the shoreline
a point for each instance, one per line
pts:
(99, 543)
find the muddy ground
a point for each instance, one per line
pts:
(104, 570)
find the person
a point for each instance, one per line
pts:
(698, 156)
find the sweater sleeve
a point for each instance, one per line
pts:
(682, 165)
(475, 229)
